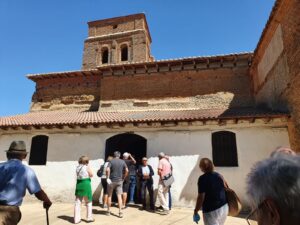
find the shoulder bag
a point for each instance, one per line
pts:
(234, 203)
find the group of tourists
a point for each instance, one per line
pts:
(273, 187)
(120, 175)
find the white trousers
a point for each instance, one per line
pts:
(77, 209)
(216, 217)
(163, 195)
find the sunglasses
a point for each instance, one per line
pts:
(252, 217)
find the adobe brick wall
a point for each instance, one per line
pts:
(131, 31)
(180, 84)
(214, 87)
(281, 87)
(70, 92)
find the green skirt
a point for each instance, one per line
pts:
(84, 188)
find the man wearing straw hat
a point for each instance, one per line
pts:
(15, 178)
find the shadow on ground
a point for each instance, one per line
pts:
(67, 218)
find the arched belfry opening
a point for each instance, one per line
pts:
(127, 142)
(124, 53)
(104, 55)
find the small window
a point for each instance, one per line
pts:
(224, 149)
(104, 55)
(38, 151)
(115, 26)
(124, 53)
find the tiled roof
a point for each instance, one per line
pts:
(61, 118)
(230, 57)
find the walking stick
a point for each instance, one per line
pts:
(47, 216)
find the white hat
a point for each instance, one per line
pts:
(126, 155)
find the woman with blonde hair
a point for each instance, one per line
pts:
(211, 195)
(83, 190)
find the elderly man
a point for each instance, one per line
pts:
(164, 170)
(274, 191)
(116, 172)
(14, 180)
(145, 173)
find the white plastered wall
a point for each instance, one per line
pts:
(185, 146)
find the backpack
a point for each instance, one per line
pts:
(100, 171)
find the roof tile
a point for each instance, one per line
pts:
(58, 118)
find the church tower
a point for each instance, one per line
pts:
(117, 40)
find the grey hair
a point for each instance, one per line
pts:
(282, 150)
(117, 154)
(277, 178)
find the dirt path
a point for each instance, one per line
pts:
(62, 214)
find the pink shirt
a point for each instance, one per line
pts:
(165, 166)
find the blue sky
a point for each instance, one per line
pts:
(39, 36)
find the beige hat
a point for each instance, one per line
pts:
(18, 147)
(161, 154)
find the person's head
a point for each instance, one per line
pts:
(282, 151)
(125, 155)
(117, 154)
(206, 165)
(17, 150)
(161, 155)
(109, 158)
(145, 161)
(273, 187)
(84, 160)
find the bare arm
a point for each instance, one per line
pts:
(42, 196)
(159, 172)
(107, 172)
(126, 172)
(133, 159)
(90, 172)
(199, 202)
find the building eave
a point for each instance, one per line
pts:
(187, 63)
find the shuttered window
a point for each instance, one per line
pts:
(224, 149)
(38, 151)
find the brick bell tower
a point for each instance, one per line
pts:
(117, 40)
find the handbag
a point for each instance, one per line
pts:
(168, 180)
(100, 171)
(233, 201)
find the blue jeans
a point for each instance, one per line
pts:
(132, 187)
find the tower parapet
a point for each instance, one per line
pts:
(117, 40)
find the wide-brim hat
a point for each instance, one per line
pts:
(17, 147)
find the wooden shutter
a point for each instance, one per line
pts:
(224, 149)
(38, 151)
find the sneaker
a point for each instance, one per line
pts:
(131, 203)
(165, 212)
(121, 214)
(160, 209)
(105, 206)
(90, 220)
(107, 213)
